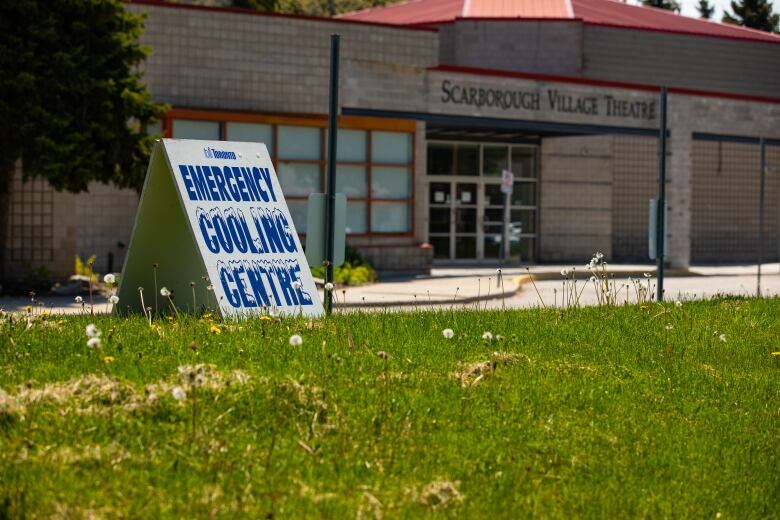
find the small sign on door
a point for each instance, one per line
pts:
(507, 182)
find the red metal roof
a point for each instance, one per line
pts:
(597, 12)
(611, 12)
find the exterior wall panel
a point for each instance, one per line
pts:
(635, 182)
(680, 60)
(575, 169)
(725, 203)
(548, 47)
(240, 61)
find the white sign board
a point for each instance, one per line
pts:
(507, 181)
(213, 228)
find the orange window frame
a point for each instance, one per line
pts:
(319, 121)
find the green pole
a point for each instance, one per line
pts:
(330, 188)
(661, 208)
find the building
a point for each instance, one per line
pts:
(438, 97)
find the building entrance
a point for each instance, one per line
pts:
(466, 205)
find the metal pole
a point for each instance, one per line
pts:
(330, 189)
(762, 167)
(504, 230)
(661, 209)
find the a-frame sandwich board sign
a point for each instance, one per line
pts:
(214, 229)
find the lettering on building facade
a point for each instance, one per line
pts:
(547, 100)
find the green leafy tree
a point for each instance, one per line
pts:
(706, 10)
(260, 5)
(72, 102)
(756, 14)
(671, 5)
(306, 7)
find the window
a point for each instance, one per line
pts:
(251, 133)
(374, 168)
(191, 129)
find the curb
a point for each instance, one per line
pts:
(547, 275)
(423, 303)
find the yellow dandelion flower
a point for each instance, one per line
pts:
(215, 329)
(265, 318)
(108, 359)
(776, 354)
(28, 308)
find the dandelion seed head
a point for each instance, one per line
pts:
(678, 303)
(383, 355)
(648, 275)
(296, 340)
(296, 285)
(209, 287)
(109, 279)
(498, 271)
(178, 393)
(669, 326)
(722, 338)
(93, 342)
(92, 331)
(328, 286)
(564, 272)
(448, 333)
(79, 299)
(487, 336)
(114, 299)
(165, 292)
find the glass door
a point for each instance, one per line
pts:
(452, 219)
(466, 205)
(465, 221)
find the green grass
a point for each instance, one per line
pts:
(590, 413)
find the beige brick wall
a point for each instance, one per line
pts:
(634, 183)
(575, 209)
(105, 217)
(725, 200)
(41, 228)
(252, 62)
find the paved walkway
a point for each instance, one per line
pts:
(469, 285)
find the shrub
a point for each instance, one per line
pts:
(355, 271)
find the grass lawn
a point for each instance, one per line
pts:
(601, 412)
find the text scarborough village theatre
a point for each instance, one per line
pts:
(551, 100)
(264, 232)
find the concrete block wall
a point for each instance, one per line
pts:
(106, 216)
(634, 183)
(680, 60)
(725, 202)
(575, 209)
(548, 47)
(206, 58)
(42, 228)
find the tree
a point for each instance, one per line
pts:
(756, 14)
(72, 103)
(306, 7)
(706, 10)
(671, 5)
